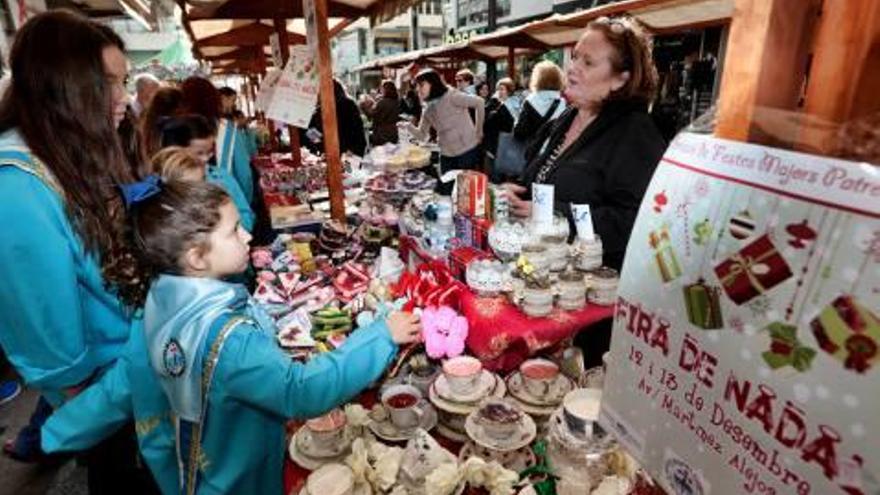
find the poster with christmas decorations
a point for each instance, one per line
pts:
(745, 356)
(295, 94)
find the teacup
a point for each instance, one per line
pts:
(499, 419)
(580, 409)
(462, 373)
(328, 430)
(538, 376)
(402, 403)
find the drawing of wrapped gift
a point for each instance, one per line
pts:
(664, 255)
(849, 332)
(786, 349)
(753, 270)
(703, 305)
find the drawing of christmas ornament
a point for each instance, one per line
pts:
(741, 225)
(664, 254)
(702, 232)
(786, 349)
(660, 201)
(801, 234)
(849, 332)
(753, 270)
(703, 304)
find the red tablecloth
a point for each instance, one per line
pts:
(502, 336)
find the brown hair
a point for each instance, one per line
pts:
(200, 96)
(165, 103)
(181, 216)
(173, 162)
(465, 74)
(59, 101)
(507, 83)
(546, 76)
(633, 53)
(389, 90)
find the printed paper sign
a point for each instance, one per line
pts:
(296, 92)
(746, 349)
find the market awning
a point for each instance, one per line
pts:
(377, 10)
(660, 16)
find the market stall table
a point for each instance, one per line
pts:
(502, 336)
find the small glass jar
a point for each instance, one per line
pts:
(537, 301)
(557, 252)
(587, 254)
(536, 254)
(572, 292)
(604, 284)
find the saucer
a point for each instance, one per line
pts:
(449, 433)
(558, 433)
(515, 460)
(386, 430)
(463, 409)
(523, 436)
(304, 444)
(483, 388)
(558, 389)
(310, 463)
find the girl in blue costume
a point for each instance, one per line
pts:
(64, 259)
(194, 132)
(229, 386)
(200, 96)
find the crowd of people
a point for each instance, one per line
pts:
(128, 223)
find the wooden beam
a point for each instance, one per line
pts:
(255, 33)
(511, 63)
(845, 72)
(766, 68)
(267, 9)
(328, 114)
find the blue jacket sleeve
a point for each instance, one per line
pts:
(241, 166)
(42, 327)
(254, 370)
(93, 415)
(220, 177)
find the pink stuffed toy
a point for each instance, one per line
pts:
(444, 330)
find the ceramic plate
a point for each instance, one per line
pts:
(541, 413)
(526, 432)
(387, 431)
(451, 434)
(307, 462)
(459, 408)
(305, 445)
(558, 389)
(515, 460)
(483, 388)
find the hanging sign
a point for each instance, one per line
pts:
(311, 25)
(746, 348)
(295, 94)
(267, 88)
(275, 44)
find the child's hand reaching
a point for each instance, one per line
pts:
(405, 327)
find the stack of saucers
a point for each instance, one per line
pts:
(458, 391)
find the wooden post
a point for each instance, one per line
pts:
(765, 75)
(511, 63)
(281, 29)
(328, 114)
(845, 72)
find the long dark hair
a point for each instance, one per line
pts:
(438, 87)
(59, 100)
(165, 103)
(179, 131)
(200, 96)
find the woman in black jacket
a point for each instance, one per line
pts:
(499, 118)
(385, 113)
(348, 117)
(601, 151)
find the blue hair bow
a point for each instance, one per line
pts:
(136, 192)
